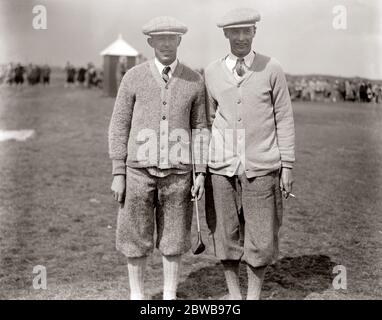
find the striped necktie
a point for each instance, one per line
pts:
(165, 75)
(240, 70)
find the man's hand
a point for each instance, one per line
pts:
(197, 189)
(286, 181)
(118, 187)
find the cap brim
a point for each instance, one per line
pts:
(244, 25)
(164, 32)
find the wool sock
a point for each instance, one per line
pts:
(171, 266)
(231, 272)
(255, 282)
(136, 268)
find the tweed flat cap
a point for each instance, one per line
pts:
(164, 25)
(241, 17)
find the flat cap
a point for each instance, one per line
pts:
(240, 17)
(164, 25)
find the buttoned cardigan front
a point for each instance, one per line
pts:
(153, 116)
(251, 119)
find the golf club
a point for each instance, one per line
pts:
(199, 247)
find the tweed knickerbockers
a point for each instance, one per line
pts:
(171, 197)
(245, 215)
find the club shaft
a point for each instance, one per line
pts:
(197, 215)
(196, 197)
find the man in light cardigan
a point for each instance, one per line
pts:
(251, 153)
(159, 102)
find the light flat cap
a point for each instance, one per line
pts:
(240, 17)
(164, 25)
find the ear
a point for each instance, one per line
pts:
(226, 33)
(150, 42)
(179, 40)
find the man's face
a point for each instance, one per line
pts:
(165, 47)
(240, 39)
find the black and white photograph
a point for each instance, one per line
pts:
(190, 150)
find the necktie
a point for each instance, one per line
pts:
(240, 70)
(165, 75)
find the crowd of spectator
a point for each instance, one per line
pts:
(334, 90)
(88, 77)
(300, 88)
(33, 74)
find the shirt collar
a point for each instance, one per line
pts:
(248, 60)
(161, 66)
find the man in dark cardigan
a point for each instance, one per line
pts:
(158, 104)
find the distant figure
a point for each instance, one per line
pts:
(350, 93)
(29, 73)
(9, 74)
(312, 89)
(19, 74)
(328, 90)
(45, 73)
(319, 89)
(37, 74)
(99, 79)
(81, 76)
(342, 90)
(336, 92)
(378, 94)
(353, 86)
(91, 75)
(34, 75)
(292, 90)
(122, 67)
(362, 92)
(305, 94)
(369, 93)
(70, 74)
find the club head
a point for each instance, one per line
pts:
(199, 247)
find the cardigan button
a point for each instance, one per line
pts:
(164, 103)
(164, 118)
(238, 101)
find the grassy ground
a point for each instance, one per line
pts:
(56, 209)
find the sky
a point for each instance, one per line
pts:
(298, 33)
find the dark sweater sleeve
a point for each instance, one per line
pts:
(211, 106)
(120, 124)
(200, 133)
(283, 115)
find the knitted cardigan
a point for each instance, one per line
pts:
(258, 107)
(152, 120)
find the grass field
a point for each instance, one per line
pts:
(56, 208)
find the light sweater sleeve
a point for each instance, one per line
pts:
(283, 115)
(211, 105)
(120, 124)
